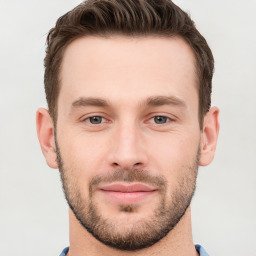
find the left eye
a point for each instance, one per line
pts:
(160, 119)
(95, 119)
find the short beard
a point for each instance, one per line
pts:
(141, 234)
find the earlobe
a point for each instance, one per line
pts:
(45, 134)
(209, 136)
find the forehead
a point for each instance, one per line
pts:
(121, 67)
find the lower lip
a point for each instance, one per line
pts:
(128, 197)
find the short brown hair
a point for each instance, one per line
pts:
(129, 18)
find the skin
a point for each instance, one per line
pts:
(127, 73)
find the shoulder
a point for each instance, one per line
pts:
(201, 250)
(64, 252)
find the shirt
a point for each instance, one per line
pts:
(199, 249)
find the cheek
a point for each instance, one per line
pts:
(176, 160)
(171, 153)
(81, 156)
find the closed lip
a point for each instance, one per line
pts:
(127, 188)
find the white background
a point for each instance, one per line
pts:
(33, 212)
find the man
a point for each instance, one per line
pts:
(128, 86)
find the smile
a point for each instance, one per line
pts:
(127, 193)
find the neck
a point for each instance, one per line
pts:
(178, 242)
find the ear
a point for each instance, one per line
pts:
(209, 136)
(45, 134)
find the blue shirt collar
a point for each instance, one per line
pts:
(199, 248)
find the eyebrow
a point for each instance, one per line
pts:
(165, 100)
(90, 101)
(153, 101)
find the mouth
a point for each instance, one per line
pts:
(127, 193)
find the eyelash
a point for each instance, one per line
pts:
(166, 120)
(88, 119)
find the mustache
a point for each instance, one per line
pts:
(133, 175)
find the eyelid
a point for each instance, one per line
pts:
(90, 115)
(87, 118)
(167, 121)
(166, 115)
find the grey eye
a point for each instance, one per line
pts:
(160, 119)
(95, 119)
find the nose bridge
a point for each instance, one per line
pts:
(127, 136)
(128, 150)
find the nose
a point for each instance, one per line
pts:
(128, 148)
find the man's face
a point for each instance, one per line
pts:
(128, 136)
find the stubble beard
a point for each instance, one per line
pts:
(143, 233)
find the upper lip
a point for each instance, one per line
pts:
(127, 188)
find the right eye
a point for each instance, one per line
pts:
(95, 120)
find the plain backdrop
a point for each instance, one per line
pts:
(33, 212)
